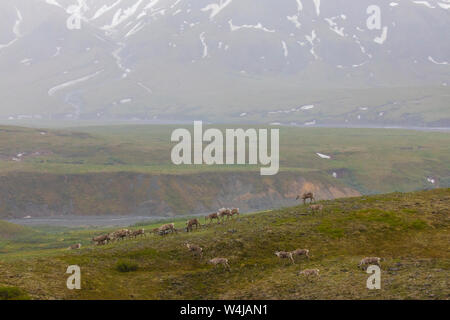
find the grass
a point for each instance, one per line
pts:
(126, 266)
(146, 148)
(12, 231)
(114, 169)
(12, 293)
(410, 231)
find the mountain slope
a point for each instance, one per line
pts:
(10, 231)
(237, 60)
(125, 170)
(409, 231)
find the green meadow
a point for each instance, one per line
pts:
(368, 160)
(409, 231)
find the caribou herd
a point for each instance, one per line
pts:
(220, 216)
(116, 236)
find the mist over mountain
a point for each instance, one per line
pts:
(305, 62)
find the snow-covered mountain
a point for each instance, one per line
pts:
(226, 60)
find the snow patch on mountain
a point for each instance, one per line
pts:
(424, 3)
(436, 62)
(334, 27)
(53, 2)
(57, 53)
(444, 5)
(258, 26)
(122, 15)
(205, 46)
(16, 30)
(294, 20)
(19, 20)
(303, 108)
(216, 8)
(56, 88)
(311, 38)
(140, 84)
(138, 27)
(317, 5)
(104, 9)
(26, 61)
(125, 100)
(323, 156)
(285, 49)
(149, 7)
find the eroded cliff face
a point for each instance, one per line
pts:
(30, 194)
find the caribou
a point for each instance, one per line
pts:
(222, 261)
(211, 217)
(369, 260)
(103, 239)
(284, 255)
(234, 211)
(136, 233)
(195, 249)
(191, 223)
(316, 207)
(306, 195)
(120, 234)
(310, 272)
(164, 229)
(224, 212)
(301, 252)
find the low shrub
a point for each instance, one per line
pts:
(126, 266)
(12, 293)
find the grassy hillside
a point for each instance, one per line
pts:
(146, 148)
(410, 231)
(127, 170)
(13, 231)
